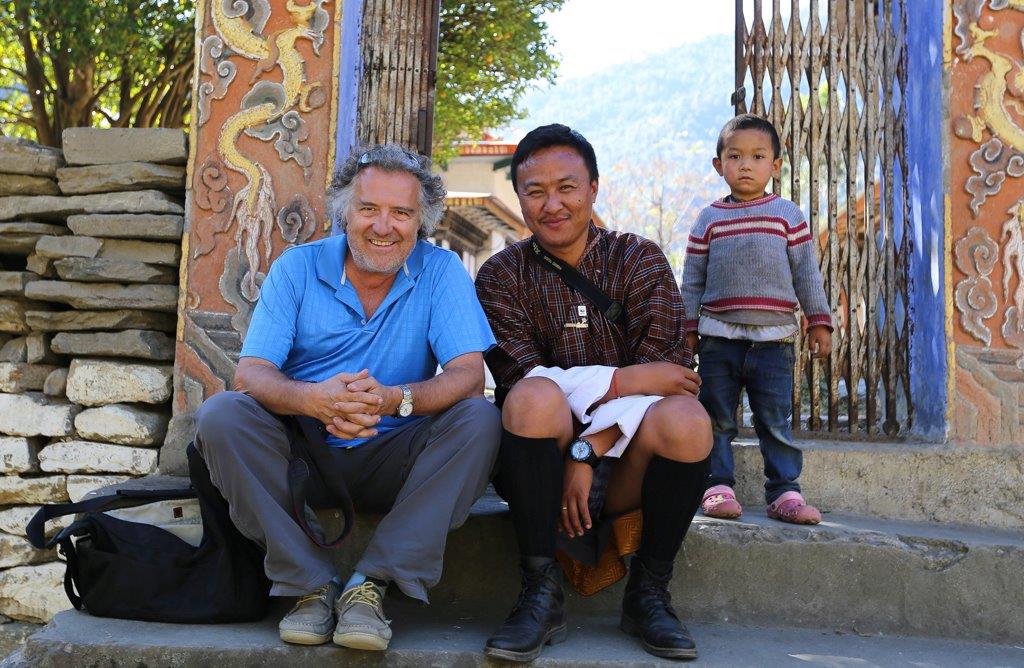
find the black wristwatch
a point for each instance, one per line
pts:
(581, 451)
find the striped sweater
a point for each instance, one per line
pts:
(751, 263)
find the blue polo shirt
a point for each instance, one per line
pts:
(311, 325)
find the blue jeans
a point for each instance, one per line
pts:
(766, 371)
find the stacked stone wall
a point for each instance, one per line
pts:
(90, 244)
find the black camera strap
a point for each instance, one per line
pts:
(612, 310)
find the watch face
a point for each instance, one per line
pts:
(405, 410)
(580, 450)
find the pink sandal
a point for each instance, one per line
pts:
(791, 507)
(720, 501)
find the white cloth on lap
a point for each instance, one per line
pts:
(582, 386)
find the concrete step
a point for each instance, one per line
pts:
(910, 481)
(425, 637)
(851, 574)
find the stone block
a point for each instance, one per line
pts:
(33, 414)
(119, 177)
(81, 485)
(17, 551)
(33, 593)
(97, 383)
(88, 270)
(41, 266)
(15, 350)
(37, 348)
(110, 296)
(123, 424)
(128, 226)
(129, 343)
(56, 383)
(14, 520)
(30, 227)
(25, 184)
(22, 377)
(20, 238)
(114, 249)
(12, 313)
(69, 246)
(93, 457)
(52, 207)
(15, 490)
(21, 156)
(12, 283)
(76, 321)
(99, 146)
(19, 455)
(150, 252)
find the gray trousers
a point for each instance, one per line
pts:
(426, 474)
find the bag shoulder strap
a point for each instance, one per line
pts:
(612, 310)
(305, 435)
(121, 498)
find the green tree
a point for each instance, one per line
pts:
(129, 63)
(490, 53)
(69, 63)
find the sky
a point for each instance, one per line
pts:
(593, 35)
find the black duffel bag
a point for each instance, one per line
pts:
(131, 570)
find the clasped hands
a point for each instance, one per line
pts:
(351, 404)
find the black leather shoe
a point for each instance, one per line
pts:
(538, 617)
(647, 612)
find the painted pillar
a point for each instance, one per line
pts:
(985, 225)
(926, 185)
(281, 91)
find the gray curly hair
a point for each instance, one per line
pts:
(390, 158)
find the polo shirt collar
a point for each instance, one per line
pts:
(330, 263)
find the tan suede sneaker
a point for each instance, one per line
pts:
(361, 621)
(311, 620)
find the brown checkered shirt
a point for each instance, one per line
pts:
(528, 306)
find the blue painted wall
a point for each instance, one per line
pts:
(351, 65)
(927, 166)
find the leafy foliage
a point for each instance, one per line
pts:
(490, 53)
(68, 63)
(128, 63)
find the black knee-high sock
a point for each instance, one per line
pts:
(530, 479)
(670, 496)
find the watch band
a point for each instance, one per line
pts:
(405, 406)
(592, 459)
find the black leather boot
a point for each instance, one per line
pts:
(647, 612)
(538, 617)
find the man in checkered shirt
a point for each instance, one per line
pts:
(546, 470)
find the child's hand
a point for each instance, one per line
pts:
(691, 341)
(819, 342)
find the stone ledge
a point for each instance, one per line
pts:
(911, 481)
(423, 637)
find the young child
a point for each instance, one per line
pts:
(749, 260)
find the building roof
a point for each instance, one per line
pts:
(487, 148)
(487, 212)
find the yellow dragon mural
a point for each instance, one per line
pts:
(268, 110)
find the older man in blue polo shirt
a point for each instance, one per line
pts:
(350, 330)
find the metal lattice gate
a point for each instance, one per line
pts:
(831, 77)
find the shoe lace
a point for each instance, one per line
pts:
(318, 594)
(366, 593)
